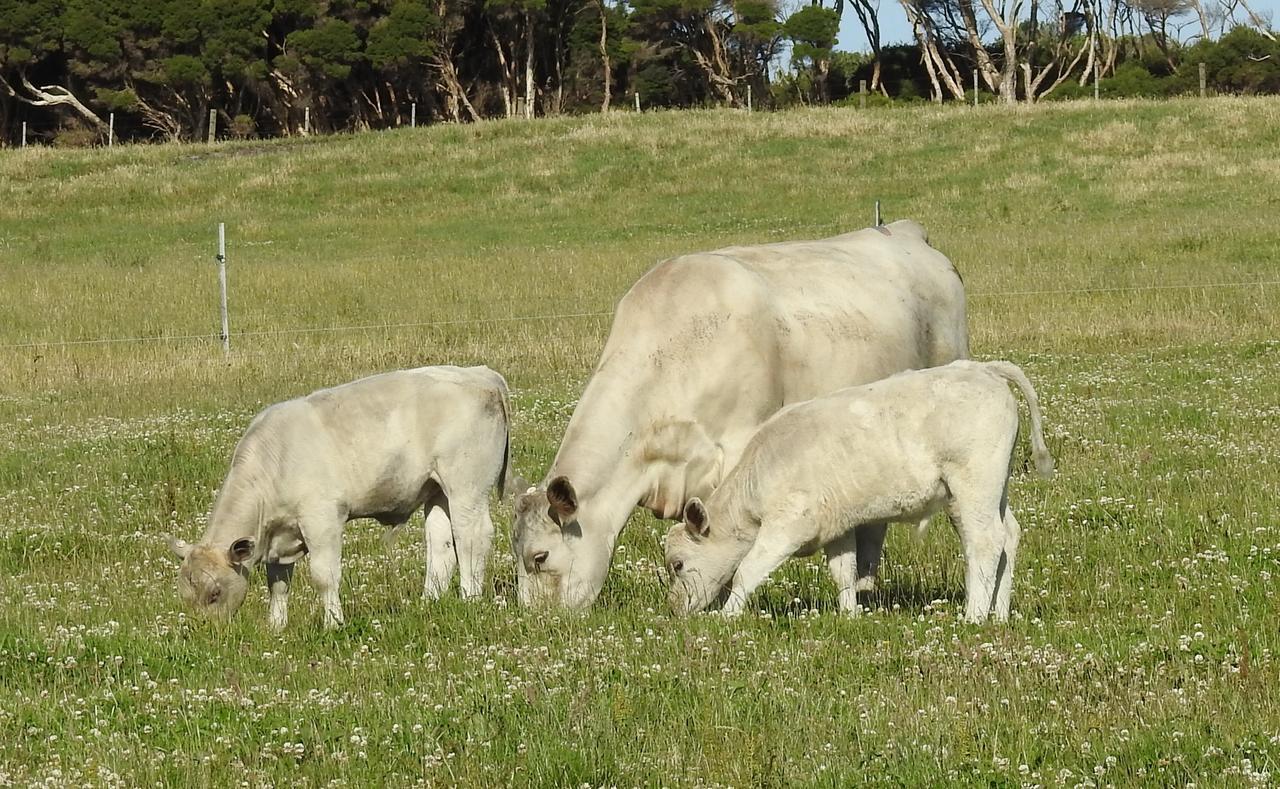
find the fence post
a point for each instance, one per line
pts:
(878, 222)
(24, 134)
(413, 115)
(213, 125)
(637, 101)
(975, 88)
(111, 129)
(862, 94)
(222, 286)
(748, 98)
(1203, 82)
(306, 120)
(1097, 75)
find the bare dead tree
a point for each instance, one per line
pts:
(50, 96)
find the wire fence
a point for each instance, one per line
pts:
(578, 315)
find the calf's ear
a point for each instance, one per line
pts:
(695, 518)
(180, 548)
(240, 551)
(562, 497)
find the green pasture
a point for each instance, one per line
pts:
(1126, 254)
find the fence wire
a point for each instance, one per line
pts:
(576, 315)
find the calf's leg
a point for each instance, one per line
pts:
(279, 577)
(324, 544)
(981, 532)
(473, 539)
(842, 561)
(1004, 587)
(442, 558)
(775, 543)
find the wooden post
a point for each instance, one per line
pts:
(1203, 82)
(413, 115)
(637, 101)
(975, 88)
(306, 120)
(748, 98)
(862, 94)
(24, 134)
(111, 129)
(213, 126)
(222, 286)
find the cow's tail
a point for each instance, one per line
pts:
(505, 483)
(1039, 452)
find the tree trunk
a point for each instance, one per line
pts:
(529, 89)
(604, 56)
(52, 96)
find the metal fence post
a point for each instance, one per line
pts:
(222, 286)
(111, 129)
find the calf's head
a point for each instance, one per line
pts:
(555, 561)
(701, 559)
(213, 581)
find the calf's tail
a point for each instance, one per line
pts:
(1039, 452)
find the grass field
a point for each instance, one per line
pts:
(1101, 244)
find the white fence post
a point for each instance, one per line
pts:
(213, 126)
(748, 98)
(975, 88)
(878, 222)
(413, 115)
(24, 134)
(306, 120)
(637, 101)
(111, 129)
(222, 285)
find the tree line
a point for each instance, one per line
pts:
(283, 67)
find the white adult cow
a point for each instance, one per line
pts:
(380, 447)
(703, 349)
(896, 450)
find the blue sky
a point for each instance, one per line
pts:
(895, 30)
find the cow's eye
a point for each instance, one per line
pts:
(677, 566)
(214, 594)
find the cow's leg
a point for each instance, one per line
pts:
(442, 559)
(473, 539)
(324, 545)
(982, 533)
(870, 547)
(774, 545)
(1004, 587)
(842, 560)
(278, 578)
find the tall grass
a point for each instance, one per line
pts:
(1144, 643)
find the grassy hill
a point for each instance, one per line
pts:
(1104, 247)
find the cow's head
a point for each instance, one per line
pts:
(213, 581)
(555, 563)
(701, 558)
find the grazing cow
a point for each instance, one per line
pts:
(380, 447)
(820, 472)
(703, 349)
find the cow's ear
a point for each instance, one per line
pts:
(180, 548)
(562, 497)
(240, 551)
(695, 518)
